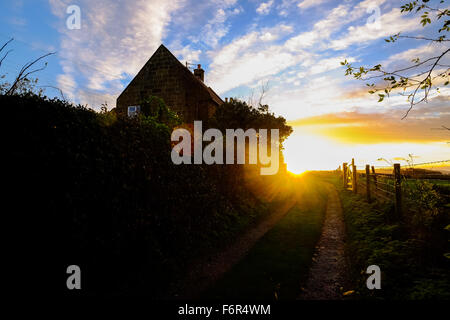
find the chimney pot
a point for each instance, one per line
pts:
(199, 72)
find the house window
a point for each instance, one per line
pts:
(133, 111)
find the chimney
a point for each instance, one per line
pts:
(199, 72)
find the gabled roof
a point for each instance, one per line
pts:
(214, 96)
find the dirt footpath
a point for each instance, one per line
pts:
(207, 271)
(328, 274)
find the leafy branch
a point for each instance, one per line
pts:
(404, 78)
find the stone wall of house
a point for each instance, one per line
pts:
(165, 77)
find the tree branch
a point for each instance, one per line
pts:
(7, 42)
(56, 88)
(3, 47)
(427, 89)
(423, 38)
(23, 72)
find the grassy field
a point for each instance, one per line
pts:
(277, 266)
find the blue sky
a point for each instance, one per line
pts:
(292, 46)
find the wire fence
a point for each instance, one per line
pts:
(399, 185)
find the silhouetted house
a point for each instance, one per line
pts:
(183, 92)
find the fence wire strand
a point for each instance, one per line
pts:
(385, 185)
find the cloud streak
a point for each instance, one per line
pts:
(116, 39)
(370, 128)
(264, 7)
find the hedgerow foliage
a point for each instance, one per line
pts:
(410, 256)
(100, 191)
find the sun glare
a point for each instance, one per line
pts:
(305, 151)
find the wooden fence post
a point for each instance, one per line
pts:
(368, 183)
(344, 175)
(354, 184)
(398, 190)
(374, 178)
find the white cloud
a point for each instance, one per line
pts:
(95, 100)
(186, 53)
(226, 55)
(247, 59)
(315, 96)
(66, 83)
(118, 38)
(250, 58)
(335, 20)
(391, 23)
(215, 29)
(264, 8)
(304, 80)
(218, 26)
(115, 39)
(423, 52)
(305, 4)
(284, 8)
(271, 34)
(321, 30)
(328, 64)
(250, 67)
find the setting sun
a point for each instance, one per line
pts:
(300, 157)
(306, 149)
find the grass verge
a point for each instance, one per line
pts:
(411, 267)
(277, 266)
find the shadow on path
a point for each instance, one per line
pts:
(207, 271)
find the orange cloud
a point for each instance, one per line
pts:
(369, 128)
